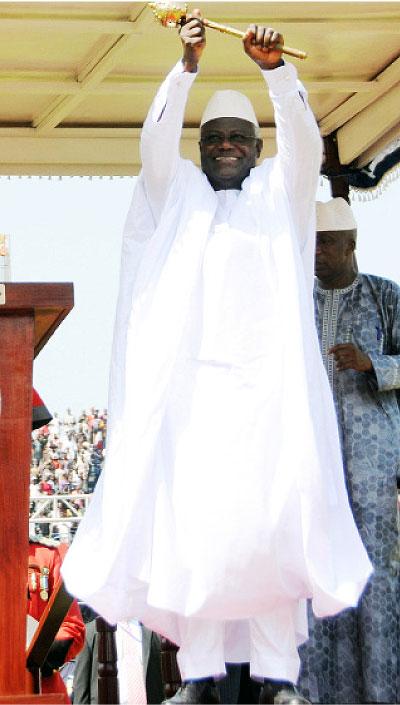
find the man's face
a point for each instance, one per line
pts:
(333, 253)
(228, 150)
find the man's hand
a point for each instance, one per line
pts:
(56, 656)
(193, 38)
(260, 45)
(349, 357)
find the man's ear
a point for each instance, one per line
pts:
(259, 146)
(350, 247)
(200, 151)
(353, 240)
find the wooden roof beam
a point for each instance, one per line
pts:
(77, 150)
(90, 76)
(84, 26)
(354, 105)
(93, 25)
(64, 105)
(35, 83)
(18, 22)
(366, 128)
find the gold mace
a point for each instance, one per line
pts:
(170, 15)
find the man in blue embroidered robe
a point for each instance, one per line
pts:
(354, 657)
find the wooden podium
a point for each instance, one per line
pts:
(29, 315)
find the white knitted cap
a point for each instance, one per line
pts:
(335, 214)
(229, 104)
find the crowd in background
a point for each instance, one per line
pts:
(67, 459)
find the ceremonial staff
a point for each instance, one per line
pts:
(171, 15)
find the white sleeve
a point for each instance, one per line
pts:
(299, 145)
(161, 134)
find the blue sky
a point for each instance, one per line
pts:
(70, 230)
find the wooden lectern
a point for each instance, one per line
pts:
(29, 315)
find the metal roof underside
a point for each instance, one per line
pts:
(77, 78)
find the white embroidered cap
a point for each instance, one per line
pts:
(335, 214)
(229, 104)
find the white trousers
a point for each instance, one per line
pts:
(269, 643)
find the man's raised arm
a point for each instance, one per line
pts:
(298, 140)
(162, 128)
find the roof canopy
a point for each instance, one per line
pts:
(77, 78)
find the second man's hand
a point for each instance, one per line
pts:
(193, 38)
(260, 45)
(349, 357)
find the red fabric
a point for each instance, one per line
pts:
(45, 487)
(40, 413)
(54, 684)
(36, 399)
(72, 627)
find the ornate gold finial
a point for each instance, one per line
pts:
(169, 15)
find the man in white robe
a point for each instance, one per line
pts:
(222, 505)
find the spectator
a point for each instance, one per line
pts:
(65, 461)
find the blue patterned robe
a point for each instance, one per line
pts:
(355, 657)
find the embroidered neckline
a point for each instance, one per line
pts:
(339, 291)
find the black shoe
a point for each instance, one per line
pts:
(199, 692)
(280, 693)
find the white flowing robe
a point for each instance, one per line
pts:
(223, 495)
